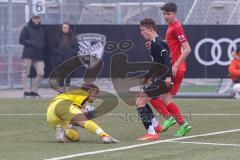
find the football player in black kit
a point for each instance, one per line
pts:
(156, 83)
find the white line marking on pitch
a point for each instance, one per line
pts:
(205, 143)
(140, 145)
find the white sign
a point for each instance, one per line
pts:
(27, 16)
(39, 6)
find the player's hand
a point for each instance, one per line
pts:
(91, 111)
(174, 70)
(148, 44)
(168, 81)
(89, 108)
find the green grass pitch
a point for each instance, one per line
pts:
(25, 134)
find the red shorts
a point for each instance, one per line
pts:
(177, 80)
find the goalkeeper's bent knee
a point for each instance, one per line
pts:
(72, 134)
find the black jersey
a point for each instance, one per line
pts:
(160, 54)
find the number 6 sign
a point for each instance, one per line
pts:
(39, 6)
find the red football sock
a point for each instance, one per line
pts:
(175, 111)
(160, 107)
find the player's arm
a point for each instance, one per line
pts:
(80, 99)
(23, 39)
(186, 49)
(168, 63)
(89, 111)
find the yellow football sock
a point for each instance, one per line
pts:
(94, 128)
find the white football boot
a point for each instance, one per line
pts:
(109, 139)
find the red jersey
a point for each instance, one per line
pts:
(175, 37)
(234, 69)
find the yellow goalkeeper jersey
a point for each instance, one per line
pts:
(76, 97)
(65, 106)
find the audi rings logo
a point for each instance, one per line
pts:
(216, 51)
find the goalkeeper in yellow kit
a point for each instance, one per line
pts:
(69, 110)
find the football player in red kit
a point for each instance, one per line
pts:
(179, 50)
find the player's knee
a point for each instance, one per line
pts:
(167, 98)
(167, 102)
(140, 102)
(72, 134)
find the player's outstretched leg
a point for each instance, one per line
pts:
(94, 128)
(82, 121)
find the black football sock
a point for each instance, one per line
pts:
(150, 112)
(152, 116)
(143, 114)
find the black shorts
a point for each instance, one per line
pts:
(155, 87)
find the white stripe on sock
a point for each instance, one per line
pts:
(151, 130)
(154, 122)
(98, 131)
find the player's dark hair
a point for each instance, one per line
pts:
(169, 7)
(87, 86)
(149, 23)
